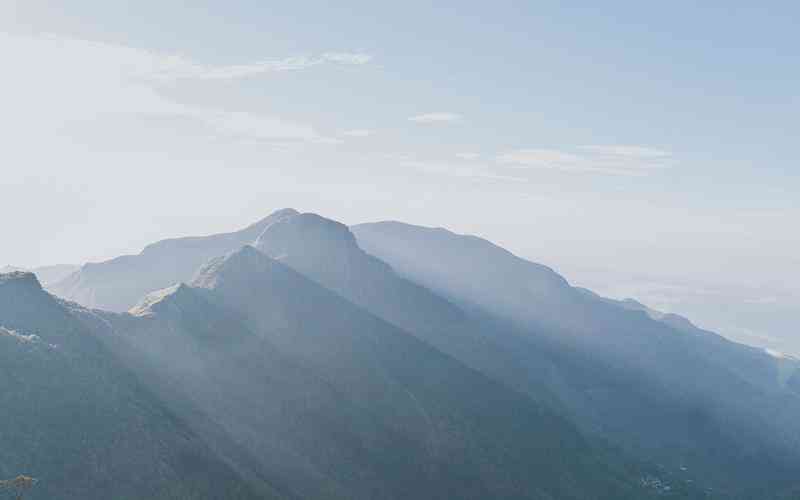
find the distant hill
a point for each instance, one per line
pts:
(118, 284)
(45, 274)
(723, 413)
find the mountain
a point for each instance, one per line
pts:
(77, 419)
(706, 411)
(765, 368)
(45, 274)
(334, 402)
(664, 390)
(327, 252)
(117, 284)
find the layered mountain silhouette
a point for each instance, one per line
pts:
(337, 403)
(302, 394)
(655, 384)
(327, 252)
(74, 417)
(45, 274)
(118, 284)
(313, 360)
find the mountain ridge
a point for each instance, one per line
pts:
(354, 365)
(608, 366)
(78, 419)
(118, 284)
(622, 338)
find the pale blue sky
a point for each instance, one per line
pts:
(624, 137)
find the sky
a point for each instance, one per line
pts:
(640, 148)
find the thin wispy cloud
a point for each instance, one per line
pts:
(256, 127)
(358, 132)
(99, 81)
(623, 160)
(437, 117)
(177, 67)
(622, 151)
(455, 169)
(354, 58)
(467, 156)
(460, 170)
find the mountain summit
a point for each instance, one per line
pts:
(302, 350)
(118, 284)
(333, 402)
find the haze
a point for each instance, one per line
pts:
(640, 150)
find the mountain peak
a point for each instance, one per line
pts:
(276, 216)
(19, 280)
(244, 256)
(120, 283)
(306, 234)
(309, 221)
(154, 301)
(243, 261)
(284, 212)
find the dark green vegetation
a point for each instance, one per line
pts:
(73, 416)
(389, 362)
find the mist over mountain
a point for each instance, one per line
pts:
(118, 284)
(301, 358)
(332, 402)
(655, 384)
(74, 417)
(459, 445)
(45, 274)
(599, 301)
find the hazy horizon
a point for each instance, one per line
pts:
(386, 250)
(645, 151)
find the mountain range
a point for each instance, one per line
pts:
(76, 418)
(45, 274)
(652, 383)
(302, 358)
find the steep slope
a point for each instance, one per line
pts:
(327, 252)
(337, 403)
(53, 274)
(615, 374)
(117, 284)
(77, 419)
(668, 392)
(758, 366)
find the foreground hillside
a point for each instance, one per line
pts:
(74, 417)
